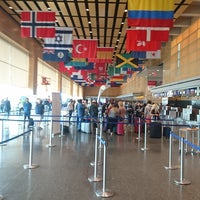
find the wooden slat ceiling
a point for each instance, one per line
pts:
(105, 20)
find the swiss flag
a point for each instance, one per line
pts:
(139, 45)
(38, 24)
(66, 69)
(149, 33)
(83, 48)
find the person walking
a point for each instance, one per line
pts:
(70, 109)
(27, 106)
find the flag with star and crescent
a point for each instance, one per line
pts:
(84, 48)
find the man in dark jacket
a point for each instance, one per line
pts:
(80, 113)
(93, 111)
(27, 106)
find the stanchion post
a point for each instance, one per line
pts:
(145, 138)
(62, 127)
(92, 163)
(30, 165)
(139, 130)
(182, 181)
(50, 136)
(170, 167)
(95, 178)
(101, 131)
(2, 131)
(104, 192)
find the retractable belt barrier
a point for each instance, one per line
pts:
(104, 192)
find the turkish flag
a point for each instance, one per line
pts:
(83, 48)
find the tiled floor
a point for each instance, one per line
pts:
(64, 169)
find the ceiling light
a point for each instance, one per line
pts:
(87, 9)
(125, 10)
(10, 7)
(49, 8)
(89, 22)
(120, 32)
(122, 23)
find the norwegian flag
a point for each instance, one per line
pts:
(38, 24)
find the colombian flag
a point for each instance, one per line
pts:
(150, 13)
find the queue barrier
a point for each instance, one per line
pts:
(104, 192)
(183, 141)
(29, 165)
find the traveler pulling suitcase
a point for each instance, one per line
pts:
(155, 130)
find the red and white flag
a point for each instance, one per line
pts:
(38, 24)
(84, 48)
(149, 33)
(139, 45)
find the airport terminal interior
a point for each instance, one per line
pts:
(93, 156)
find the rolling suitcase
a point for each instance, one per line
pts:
(120, 128)
(155, 130)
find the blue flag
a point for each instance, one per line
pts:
(55, 55)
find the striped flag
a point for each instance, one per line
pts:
(104, 55)
(62, 39)
(37, 24)
(150, 13)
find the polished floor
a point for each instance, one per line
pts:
(63, 166)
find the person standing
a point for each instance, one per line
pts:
(80, 113)
(7, 107)
(93, 111)
(27, 106)
(121, 118)
(39, 110)
(70, 109)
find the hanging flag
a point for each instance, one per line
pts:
(83, 48)
(77, 62)
(55, 55)
(38, 24)
(62, 39)
(139, 45)
(79, 76)
(66, 69)
(126, 60)
(146, 54)
(149, 33)
(104, 55)
(90, 66)
(151, 13)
